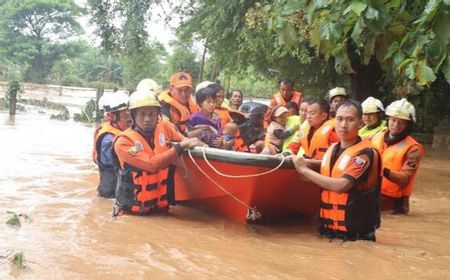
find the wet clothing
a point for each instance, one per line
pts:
(368, 132)
(354, 214)
(144, 168)
(401, 156)
(102, 155)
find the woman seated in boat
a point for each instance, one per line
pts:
(205, 124)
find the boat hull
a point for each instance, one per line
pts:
(276, 195)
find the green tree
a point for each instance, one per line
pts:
(370, 40)
(32, 32)
(183, 58)
(242, 47)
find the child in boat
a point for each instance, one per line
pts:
(229, 134)
(276, 131)
(205, 124)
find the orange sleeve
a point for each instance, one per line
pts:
(412, 158)
(173, 134)
(358, 166)
(143, 159)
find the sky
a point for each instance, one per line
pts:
(158, 30)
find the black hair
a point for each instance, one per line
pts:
(307, 99)
(352, 103)
(205, 93)
(287, 82)
(292, 105)
(216, 87)
(323, 104)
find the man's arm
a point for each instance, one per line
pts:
(404, 176)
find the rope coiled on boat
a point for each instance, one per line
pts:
(252, 213)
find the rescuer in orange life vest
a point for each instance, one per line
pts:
(350, 178)
(115, 105)
(144, 154)
(401, 156)
(318, 133)
(178, 103)
(285, 95)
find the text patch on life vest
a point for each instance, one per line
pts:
(136, 148)
(359, 161)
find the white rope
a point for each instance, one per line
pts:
(252, 213)
(283, 158)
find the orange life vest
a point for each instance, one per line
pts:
(141, 191)
(320, 140)
(239, 144)
(98, 135)
(108, 173)
(357, 210)
(179, 113)
(296, 97)
(223, 114)
(394, 158)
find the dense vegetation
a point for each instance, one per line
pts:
(386, 49)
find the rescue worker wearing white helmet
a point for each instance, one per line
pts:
(372, 117)
(144, 154)
(336, 97)
(148, 85)
(115, 106)
(401, 156)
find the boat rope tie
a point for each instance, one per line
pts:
(252, 213)
(283, 158)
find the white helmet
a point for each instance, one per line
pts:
(372, 105)
(113, 101)
(203, 85)
(148, 85)
(337, 91)
(402, 109)
(140, 99)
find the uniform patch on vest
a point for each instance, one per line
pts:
(136, 148)
(359, 161)
(161, 139)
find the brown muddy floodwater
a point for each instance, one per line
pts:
(46, 173)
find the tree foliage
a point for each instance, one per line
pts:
(408, 39)
(239, 45)
(37, 32)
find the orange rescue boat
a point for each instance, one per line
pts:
(250, 188)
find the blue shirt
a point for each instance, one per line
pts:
(106, 149)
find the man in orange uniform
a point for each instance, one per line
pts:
(178, 103)
(401, 156)
(144, 155)
(350, 178)
(318, 133)
(285, 95)
(115, 105)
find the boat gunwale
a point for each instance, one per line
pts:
(241, 158)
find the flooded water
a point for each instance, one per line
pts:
(46, 173)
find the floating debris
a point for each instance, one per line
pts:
(19, 260)
(15, 219)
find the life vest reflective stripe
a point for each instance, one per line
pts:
(358, 209)
(296, 97)
(319, 141)
(141, 191)
(224, 115)
(393, 158)
(179, 113)
(365, 132)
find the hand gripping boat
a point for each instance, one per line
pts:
(250, 188)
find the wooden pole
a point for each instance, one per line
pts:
(99, 94)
